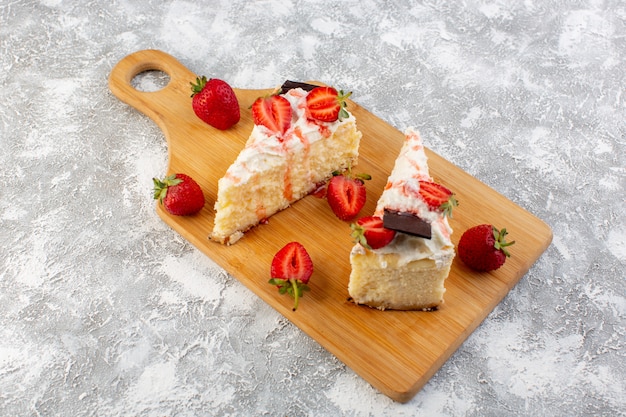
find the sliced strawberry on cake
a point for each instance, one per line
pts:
(370, 232)
(326, 104)
(274, 112)
(437, 197)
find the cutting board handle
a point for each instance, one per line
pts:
(155, 104)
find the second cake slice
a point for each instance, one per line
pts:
(409, 272)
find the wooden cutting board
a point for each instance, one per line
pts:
(395, 351)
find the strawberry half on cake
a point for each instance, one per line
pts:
(408, 273)
(301, 135)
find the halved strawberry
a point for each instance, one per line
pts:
(326, 104)
(346, 194)
(370, 233)
(291, 270)
(438, 197)
(273, 112)
(292, 262)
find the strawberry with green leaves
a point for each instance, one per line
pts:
(437, 197)
(215, 102)
(326, 104)
(484, 247)
(274, 112)
(291, 270)
(346, 194)
(179, 194)
(370, 232)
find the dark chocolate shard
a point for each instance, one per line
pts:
(288, 85)
(406, 223)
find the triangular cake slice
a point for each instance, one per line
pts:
(276, 169)
(409, 272)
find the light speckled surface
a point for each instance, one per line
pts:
(106, 311)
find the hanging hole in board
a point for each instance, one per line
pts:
(150, 81)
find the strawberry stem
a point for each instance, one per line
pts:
(358, 234)
(296, 293)
(342, 97)
(292, 287)
(198, 86)
(348, 173)
(160, 186)
(448, 206)
(500, 241)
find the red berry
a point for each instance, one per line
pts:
(437, 197)
(179, 193)
(369, 231)
(326, 104)
(274, 112)
(483, 247)
(292, 262)
(346, 195)
(215, 102)
(291, 270)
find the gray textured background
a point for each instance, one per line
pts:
(106, 311)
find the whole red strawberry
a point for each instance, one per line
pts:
(215, 102)
(483, 247)
(179, 193)
(370, 232)
(326, 104)
(291, 270)
(346, 194)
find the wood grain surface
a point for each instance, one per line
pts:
(395, 351)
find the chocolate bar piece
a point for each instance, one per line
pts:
(406, 223)
(288, 85)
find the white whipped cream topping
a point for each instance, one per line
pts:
(412, 248)
(265, 148)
